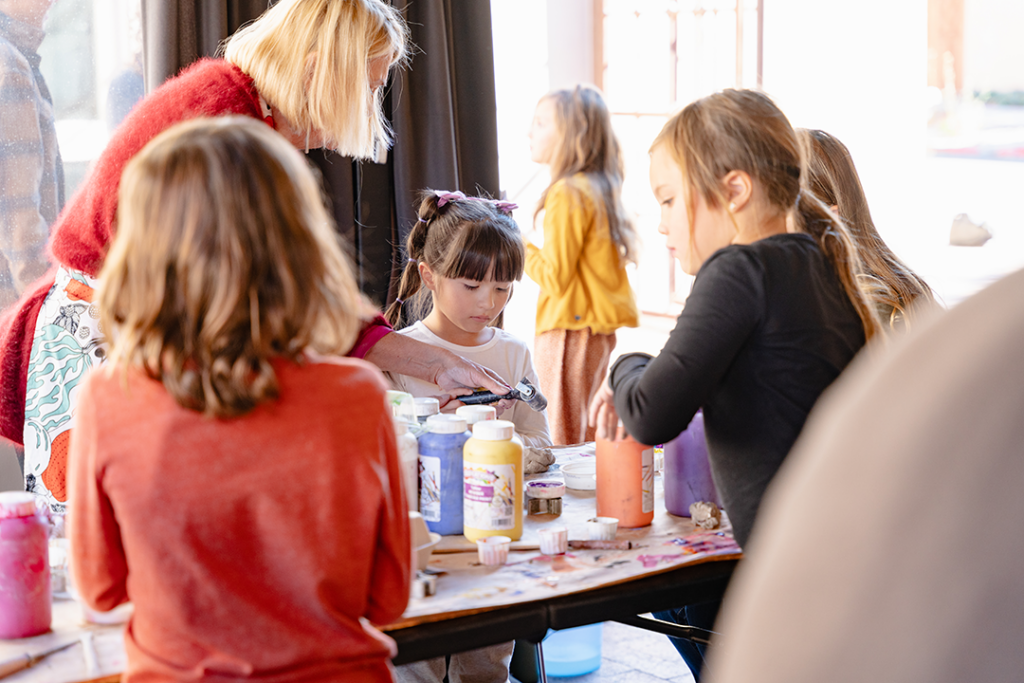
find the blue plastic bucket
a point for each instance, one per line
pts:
(573, 651)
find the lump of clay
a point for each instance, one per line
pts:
(705, 515)
(537, 460)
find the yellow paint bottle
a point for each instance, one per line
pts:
(492, 475)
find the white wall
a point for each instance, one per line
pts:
(858, 70)
(993, 45)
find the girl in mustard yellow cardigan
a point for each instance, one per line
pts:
(585, 295)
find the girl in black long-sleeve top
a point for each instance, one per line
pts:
(773, 317)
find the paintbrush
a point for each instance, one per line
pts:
(22, 662)
(601, 545)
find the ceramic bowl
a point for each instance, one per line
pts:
(581, 476)
(424, 551)
(545, 489)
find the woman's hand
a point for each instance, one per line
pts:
(603, 416)
(461, 377)
(404, 355)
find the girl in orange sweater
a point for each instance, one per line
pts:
(240, 488)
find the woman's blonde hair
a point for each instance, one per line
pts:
(225, 257)
(457, 237)
(310, 58)
(833, 178)
(587, 144)
(743, 130)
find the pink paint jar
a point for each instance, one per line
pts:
(24, 567)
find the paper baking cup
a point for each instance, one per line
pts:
(602, 528)
(554, 541)
(493, 550)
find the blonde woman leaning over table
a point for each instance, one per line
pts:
(773, 316)
(230, 473)
(327, 95)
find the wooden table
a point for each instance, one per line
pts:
(674, 564)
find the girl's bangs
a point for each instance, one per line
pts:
(487, 248)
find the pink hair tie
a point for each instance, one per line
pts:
(506, 207)
(448, 197)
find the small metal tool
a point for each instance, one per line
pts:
(524, 391)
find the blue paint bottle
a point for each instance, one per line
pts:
(441, 473)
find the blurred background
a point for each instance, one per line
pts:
(927, 94)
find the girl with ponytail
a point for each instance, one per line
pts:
(773, 317)
(899, 293)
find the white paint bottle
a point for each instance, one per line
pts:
(408, 455)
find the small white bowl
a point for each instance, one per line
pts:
(546, 489)
(554, 540)
(424, 551)
(493, 550)
(602, 528)
(581, 476)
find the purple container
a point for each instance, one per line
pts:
(687, 471)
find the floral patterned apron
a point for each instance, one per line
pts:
(67, 342)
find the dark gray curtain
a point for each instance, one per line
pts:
(443, 106)
(442, 109)
(176, 33)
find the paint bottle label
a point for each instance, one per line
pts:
(430, 488)
(489, 497)
(647, 480)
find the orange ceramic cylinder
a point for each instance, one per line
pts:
(625, 482)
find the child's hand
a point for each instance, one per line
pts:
(503, 405)
(602, 415)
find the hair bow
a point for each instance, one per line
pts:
(506, 207)
(447, 197)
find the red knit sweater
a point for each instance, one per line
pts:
(83, 231)
(254, 547)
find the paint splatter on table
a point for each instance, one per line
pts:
(465, 585)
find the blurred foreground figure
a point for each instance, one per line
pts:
(889, 546)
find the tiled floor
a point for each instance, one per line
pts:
(632, 655)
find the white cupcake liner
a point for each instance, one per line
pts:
(493, 550)
(554, 541)
(602, 528)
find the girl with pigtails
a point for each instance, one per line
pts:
(464, 254)
(773, 316)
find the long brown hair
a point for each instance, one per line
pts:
(743, 130)
(833, 178)
(225, 257)
(464, 237)
(587, 145)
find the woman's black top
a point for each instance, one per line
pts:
(766, 328)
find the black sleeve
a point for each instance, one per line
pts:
(656, 398)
